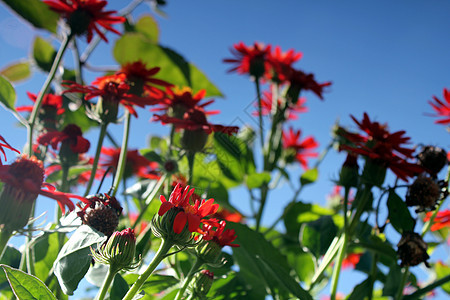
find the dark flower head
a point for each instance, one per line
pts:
(442, 108)
(424, 192)
(300, 81)
(250, 60)
(302, 150)
(412, 250)
(4, 143)
(136, 164)
(85, 16)
(432, 159)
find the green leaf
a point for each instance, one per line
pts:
(443, 270)
(174, 68)
(399, 215)
(393, 279)
(310, 176)
(231, 287)
(318, 235)
(26, 286)
(46, 248)
(74, 259)
(361, 290)
(17, 71)
(119, 288)
(256, 180)
(7, 94)
(43, 53)
(151, 155)
(302, 262)
(250, 258)
(148, 27)
(154, 284)
(36, 12)
(11, 257)
(77, 116)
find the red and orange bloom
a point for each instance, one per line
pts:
(136, 164)
(300, 81)
(141, 79)
(302, 149)
(85, 16)
(267, 103)
(217, 233)
(50, 102)
(70, 135)
(281, 64)
(442, 108)
(227, 215)
(250, 60)
(382, 147)
(186, 213)
(442, 219)
(351, 260)
(4, 143)
(23, 182)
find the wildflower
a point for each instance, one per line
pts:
(301, 149)
(71, 136)
(351, 260)
(50, 103)
(423, 192)
(101, 212)
(292, 111)
(227, 215)
(412, 250)
(299, 80)
(383, 149)
(442, 108)
(442, 219)
(250, 60)
(136, 164)
(432, 159)
(281, 64)
(4, 143)
(85, 16)
(23, 182)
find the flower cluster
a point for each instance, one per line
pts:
(301, 149)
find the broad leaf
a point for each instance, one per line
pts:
(154, 284)
(256, 180)
(148, 27)
(7, 94)
(74, 259)
(361, 290)
(119, 288)
(43, 53)
(36, 12)
(317, 235)
(399, 214)
(46, 248)
(443, 270)
(393, 279)
(232, 287)
(17, 71)
(26, 286)
(310, 176)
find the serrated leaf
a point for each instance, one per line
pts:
(256, 180)
(17, 71)
(43, 53)
(36, 12)
(318, 235)
(399, 215)
(310, 176)
(7, 94)
(26, 286)
(74, 259)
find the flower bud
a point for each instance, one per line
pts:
(194, 140)
(201, 284)
(349, 175)
(412, 250)
(374, 173)
(107, 107)
(163, 227)
(424, 192)
(433, 159)
(119, 251)
(208, 251)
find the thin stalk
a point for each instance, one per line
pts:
(106, 284)
(264, 191)
(101, 138)
(191, 160)
(260, 118)
(40, 97)
(123, 154)
(373, 275)
(337, 268)
(417, 294)
(197, 264)
(5, 235)
(77, 63)
(159, 256)
(402, 284)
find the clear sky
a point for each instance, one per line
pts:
(386, 58)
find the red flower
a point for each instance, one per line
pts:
(49, 102)
(383, 147)
(191, 214)
(71, 134)
(267, 102)
(219, 235)
(227, 215)
(181, 100)
(86, 16)
(441, 220)
(140, 78)
(113, 91)
(442, 108)
(302, 81)
(351, 260)
(249, 60)
(195, 119)
(136, 164)
(281, 64)
(25, 179)
(303, 149)
(4, 143)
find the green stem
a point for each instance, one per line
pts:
(264, 191)
(123, 154)
(191, 160)
(5, 235)
(197, 264)
(159, 256)
(402, 284)
(260, 118)
(337, 268)
(106, 284)
(373, 275)
(77, 63)
(101, 138)
(417, 294)
(40, 97)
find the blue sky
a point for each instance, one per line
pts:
(386, 58)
